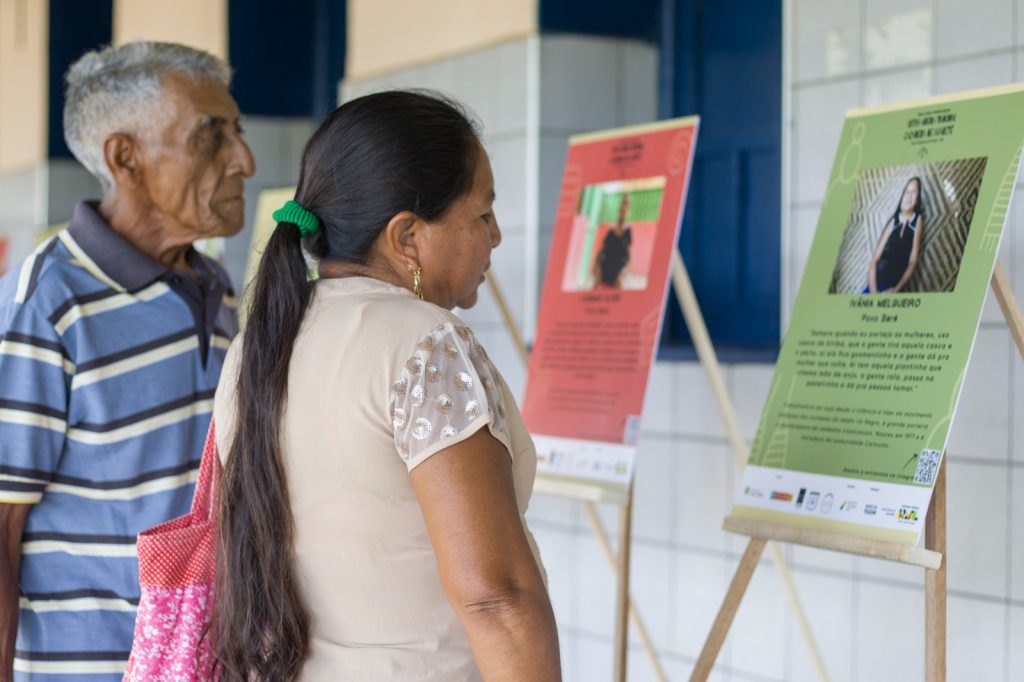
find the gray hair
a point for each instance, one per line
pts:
(119, 89)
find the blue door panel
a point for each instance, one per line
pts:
(726, 61)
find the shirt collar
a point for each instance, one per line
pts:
(115, 257)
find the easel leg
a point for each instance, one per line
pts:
(622, 602)
(1008, 303)
(935, 584)
(726, 613)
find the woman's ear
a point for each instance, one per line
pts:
(401, 239)
(121, 154)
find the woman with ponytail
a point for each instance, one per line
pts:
(376, 466)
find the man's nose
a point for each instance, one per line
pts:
(243, 161)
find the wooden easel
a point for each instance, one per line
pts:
(930, 557)
(620, 563)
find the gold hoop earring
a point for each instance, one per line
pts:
(416, 283)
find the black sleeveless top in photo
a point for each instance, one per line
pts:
(896, 254)
(614, 255)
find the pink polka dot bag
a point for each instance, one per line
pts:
(177, 566)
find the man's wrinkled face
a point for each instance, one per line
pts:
(195, 161)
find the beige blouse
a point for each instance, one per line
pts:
(379, 381)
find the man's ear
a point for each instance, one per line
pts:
(401, 240)
(121, 154)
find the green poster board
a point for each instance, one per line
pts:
(867, 381)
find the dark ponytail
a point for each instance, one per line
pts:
(261, 630)
(371, 159)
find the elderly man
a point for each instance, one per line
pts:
(113, 334)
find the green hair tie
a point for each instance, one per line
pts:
(295, 213)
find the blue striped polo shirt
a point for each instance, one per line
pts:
(108, 366)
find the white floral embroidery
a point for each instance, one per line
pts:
(446, 384)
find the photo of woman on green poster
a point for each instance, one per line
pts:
(899, 247)
(907, 228)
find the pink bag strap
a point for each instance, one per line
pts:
(207, 493)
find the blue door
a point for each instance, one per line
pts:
(722, 59)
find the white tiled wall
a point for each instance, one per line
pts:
(22, 211)
(67, 183)
(888, 633)
(1016, 661)
(34, 198)
(867, 615)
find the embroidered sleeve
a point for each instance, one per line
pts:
(447, 390)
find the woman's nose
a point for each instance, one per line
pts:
(495, 234)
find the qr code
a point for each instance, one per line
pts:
(927, 466)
